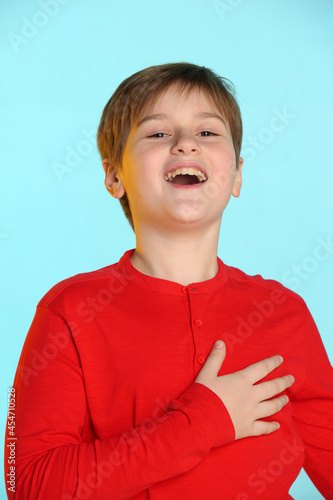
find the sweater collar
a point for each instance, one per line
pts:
(165, 286)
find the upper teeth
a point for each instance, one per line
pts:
(186, 171)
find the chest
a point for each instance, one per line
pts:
(138, 356)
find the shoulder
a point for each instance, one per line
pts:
(80, 284)
(256, 285)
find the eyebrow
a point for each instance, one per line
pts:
(157, 116)
(162, 116)
(211, 115)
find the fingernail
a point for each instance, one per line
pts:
(219, 344)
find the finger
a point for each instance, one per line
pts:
(261, 427)
(214, 361)
(262, 368)
(269, 408)
(271, 388)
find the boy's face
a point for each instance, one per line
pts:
(179, 132)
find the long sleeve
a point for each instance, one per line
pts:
(313, 412)
(107, 407)
(58, 457)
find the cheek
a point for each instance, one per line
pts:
(224, 162)
(136, 180)
(131, 170)
(224, 159)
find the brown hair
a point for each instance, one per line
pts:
(143, 88)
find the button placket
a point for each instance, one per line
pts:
(197, 325)
(200, 359)
(195, 309)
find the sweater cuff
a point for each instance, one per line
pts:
(210, 413)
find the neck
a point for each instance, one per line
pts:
(183, 258)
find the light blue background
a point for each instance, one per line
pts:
(55, 82)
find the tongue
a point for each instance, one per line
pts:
(185, 179)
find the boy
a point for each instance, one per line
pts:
(161, 376)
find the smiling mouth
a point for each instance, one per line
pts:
(185, 176)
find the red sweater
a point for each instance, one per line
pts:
(106, 407)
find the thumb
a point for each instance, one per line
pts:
(214, 361)
(217, 355)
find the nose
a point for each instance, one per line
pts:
(185, 144)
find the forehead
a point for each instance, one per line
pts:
(173, 95)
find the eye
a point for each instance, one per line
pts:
(158, 135)
(206, 133)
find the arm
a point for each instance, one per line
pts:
(57, 460)
(55, 457)
(313, 411)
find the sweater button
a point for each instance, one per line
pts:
(200, 359)
(185, 290)
(198, 322)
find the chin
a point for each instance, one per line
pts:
(189, 218)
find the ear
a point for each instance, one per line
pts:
(113, 182)
(238, 179)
